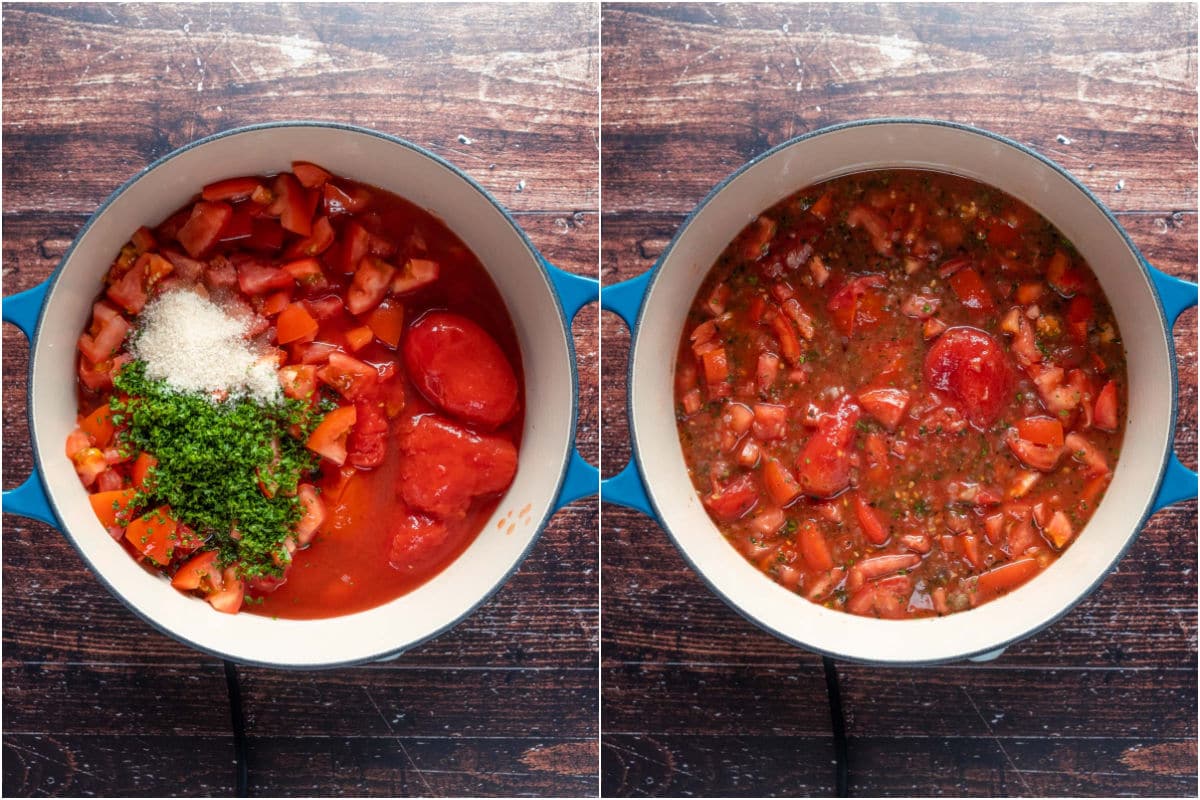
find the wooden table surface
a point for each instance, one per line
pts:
(695, 700)
(95, 701)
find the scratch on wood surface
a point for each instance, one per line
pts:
(643, 757)
(397, 739)
(71, 768)
(987, 725)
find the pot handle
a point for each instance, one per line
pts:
(627, 488)
(1179, 483)
(574, 292)
(29, 499)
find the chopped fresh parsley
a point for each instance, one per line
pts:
(212, 457)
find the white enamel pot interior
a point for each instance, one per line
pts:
(545, 351)
(914, 144)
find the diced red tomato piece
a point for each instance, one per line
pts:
(969, 365)
(814, 547)
(446, 466)
(969, 289)
(230, 598)
(415, 273)
(204, 226)
(275, 303)
(153, 535)
(329, 437)
(387, 322)
(200, 572)
(310, 175)
(299, 381)
(857, 304)
(314, 514)
(459, 368)
(1059, 530)
(360, 337)
(295, 324)
(789, 342)
(141, 469)
(294, 205)
(1079, 316)
(231, 189)
(734, 499)
(256, 278)
(107, 333)
(824, 464)
(318, 242)
(1105, 414)
(1086, 453)
(347, 375)
(872, 526)
(111, 507)
(781, 486)
(370, 284)
(1062, 276)
(98, 426)
(266, 235)
(886, 405)
(350, 200)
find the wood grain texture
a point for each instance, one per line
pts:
(96, 702)
(1102, 702)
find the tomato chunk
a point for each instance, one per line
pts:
(329, 437)
(824, 464)
(446, 466)
(203, 228)
(886, 405)
(153, 535)
(969, 365)
(459, 368)
(733, 500)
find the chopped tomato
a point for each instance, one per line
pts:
(107, 333)
(969, 289)
(459, 368)
(1105, 415)
(229, 599)
(824, 464)
(299, 381)
(99, 426)
(387, 322)
(329, 437)
(857, 304)
(294, 324)
(256, 278)
(416, 542)
(318, 242)
(886, 405)
(110, 507)
(1062, 276)
(203, 228)
(141, 469)
(201, 572)
(231, 189)
(814, 547)
(345, 201)
(293, 204)
(347, 375)
(782, 487)
(370, 283)
(310, 175)
(368, 441)
(314, 514)
(733, 500)
(415, 273)
(153, 535)
(868, 518)
(360, 337)
(1004, 578)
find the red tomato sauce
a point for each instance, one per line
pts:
(338, 276)
(900, 393)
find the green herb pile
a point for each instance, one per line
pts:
(212, 457)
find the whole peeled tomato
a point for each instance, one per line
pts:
(460, 369)
(970, 366)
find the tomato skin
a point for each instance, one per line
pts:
(446, 466)
(969, 365)
(460, 369)
(231, 189)
(823, 466)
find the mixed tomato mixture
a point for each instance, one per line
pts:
(390, 420)
(900, 393)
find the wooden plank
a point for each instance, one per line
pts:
(529, 111)
(969, 766)
(735, 765)
(383, 701)
(748, 77)
(76, 764)
(786, 699)
(406, 766)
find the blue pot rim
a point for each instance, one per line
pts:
(655, 272)
(51, 282)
